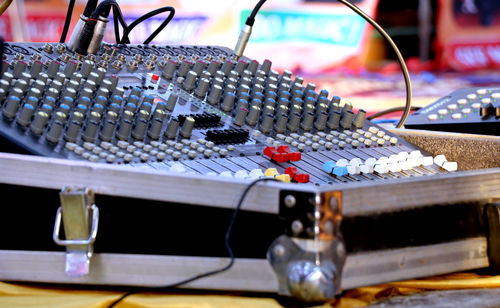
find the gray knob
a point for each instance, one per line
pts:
(108, 128)
(39, 85)
(74, 127)
(4, 85)
(101, 72)
(24, 117)
(39, 122)
(56, 129)
(141, 124)
(60, 77)
(92, 126)
(320, 123)
(214, 95)
(253, 115)
(169, 70)
(172, 128)
(266, 66)
(34, 92)
(90, 84)
(246, 81)
(228, 102)
(309, 108)
(190, 81)
(22, 84)
(239, 120)
(36, 68)
(346, 121)
(47, 109)
(242, 89)
(359, 120)
(11, 106)
(125, 125)
(84, 100)
(86, 68)
(70, 68)
(107, 85)
(323, 93)
(103, 92)
(229, 89)
(19, 68)
(280, 126)
(240, 66)
(72, 84)
(69, 92)
(213, 67)
(156, 125)
(242, 104)
(184, 68)
(26, 77)
(187, 127)
(231, 81)
(252, 66)
(201, 89)
(282, 110)
(347, 107)
(135, 92)
(267, 123)
(8, 77)
(283, 87)
(56, 85)
(199, 66)
(333, 120)
(293, 122)
(310, 87)
(227, 66)
(172, 100)
(307, 123)
(17, 93)
(49, 100)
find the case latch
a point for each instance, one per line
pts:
(80, 217)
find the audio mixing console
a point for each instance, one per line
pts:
(470, 110)
(193, 109)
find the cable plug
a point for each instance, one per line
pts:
(85, 38)
(77, 31)
(245, 33)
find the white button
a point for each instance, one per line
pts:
(122, 144)
(329, 137)
(200, 149)
(495, 95)
(201, 141)
(256, 133)
(161, 155)
(370, 161)
(147, 148)
(381, 134)
(432, 117)
(466, 110)
(269, 140)
(321, 134)
(361, 139)
(329, 145)
(486, 100)
(97, 150)
(353, 169)
(380, 142)
(139, 144)
(335, 133)
(450, 166)
(120, 154)
(131, 148)
(144, 157)
(70, 146)
(230, 147)
(368, 142)
(178, 146)
(128, 157)
(373, 129)
(171, 143)
(106, 145)
(471, 96)
(162, 147)
(308, 135)
(316, 138)
(301, 147)
(176, 155)
(393, 140)
(154, 144)
(348, 132)
(256, 173)
(209, 144)
(103, 154)
(79, 150)
(207, 153)
(462, 101)
(368, 135)
(366, 169)
(342, 144)
(356, 161)
(294, 144)
(381, 169)
(302, 138)
(481, 91)
(223, 152)
(86, 155)
(387, 137)
(442, 111)
(186, 141)
(192, 154)
(88, 146)
(355, 143)
(281, 136)
(348, 140)
(476, 105)
(288, 139)
(383, 160)
(355, 135)
(416, 154)
(342, 136)
(394, 158)
(93, 158)
(169, 151)
(322, 142)
(360, 131)
(110, 158)
(294, 135)
(456, 116)
(452, 106)
(315, 146)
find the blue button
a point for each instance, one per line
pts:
(340, 171)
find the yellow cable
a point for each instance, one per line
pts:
(4, 6)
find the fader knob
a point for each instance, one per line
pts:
(125, 125)
(307, 123)
(214, 95)
(141, 125)
(321, 121)
(280, 126)
(169, 70)
(253, 115)
(239, 120)
(24, 117)
(19, 68)
(36, 68)
(108, 127)
(55, 131)
(92, 126)
(86, 68)
(190, 81)
(201, 89)
(70, 68)
(156, 125)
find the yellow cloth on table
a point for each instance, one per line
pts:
(23, 296)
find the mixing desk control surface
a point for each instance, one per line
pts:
(193, 109)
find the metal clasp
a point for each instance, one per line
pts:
(80, 217)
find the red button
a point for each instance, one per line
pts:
(155, 77)
(291, 171)
(301, 178)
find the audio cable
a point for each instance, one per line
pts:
(246, 31)
(209, 273)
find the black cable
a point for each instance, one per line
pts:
(251, 18)
(391, 110)
(67, 21)
(125, 39)
(104, 8)
(89, 8)
(398, 54)
(210, 273)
